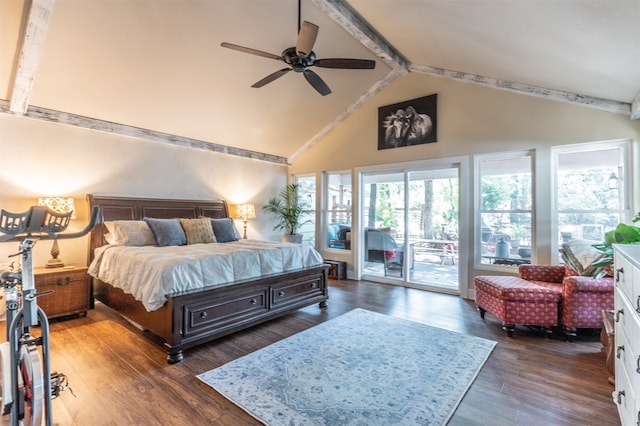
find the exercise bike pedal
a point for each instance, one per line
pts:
(59, 383)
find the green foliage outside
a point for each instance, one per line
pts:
(385, 213)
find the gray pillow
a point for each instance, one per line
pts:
(167, 232)
(225, 230)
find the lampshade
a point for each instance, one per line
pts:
(59, 204)
(246, 211)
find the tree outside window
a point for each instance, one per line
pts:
(506, 203)
(590, 190)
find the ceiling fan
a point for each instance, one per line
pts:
(301, 56)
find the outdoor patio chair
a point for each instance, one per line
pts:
(382, 247)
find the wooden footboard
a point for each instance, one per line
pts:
(191, 318)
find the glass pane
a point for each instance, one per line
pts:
(433, 228)
(506, 184)
(307, 199)
(339, 205)
(423, 251)
(384, 203)
(506, 238)
(383, 223)
(506, 211)
(308, 228)
(433, 204)
(590, 193)
(307, 191)
(586, 226)
(590, 180)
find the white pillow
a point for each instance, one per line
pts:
(129, 233)
(110, 236)
(579, 254)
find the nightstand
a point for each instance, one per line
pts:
(70, 285)
(337, 269)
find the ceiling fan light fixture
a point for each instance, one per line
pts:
(301, 56)
(306, 38)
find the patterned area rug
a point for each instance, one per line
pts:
(361, 368)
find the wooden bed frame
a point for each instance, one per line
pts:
(191, 318)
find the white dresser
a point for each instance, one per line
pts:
(627, 333)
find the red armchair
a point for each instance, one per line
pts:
(582, 298)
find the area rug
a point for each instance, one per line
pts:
(361, 368)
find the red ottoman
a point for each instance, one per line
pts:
(516, 301)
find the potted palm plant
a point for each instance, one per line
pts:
(288, 210)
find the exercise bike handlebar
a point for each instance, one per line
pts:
(42, 223)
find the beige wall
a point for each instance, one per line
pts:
(41, 158)
(473, 120)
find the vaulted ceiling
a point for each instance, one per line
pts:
(157, 65)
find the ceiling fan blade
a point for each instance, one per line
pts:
(251, 51)
(345, 63)
(317, 83)
(268, 79)
(306, 39)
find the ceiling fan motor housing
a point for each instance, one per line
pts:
(297, 63)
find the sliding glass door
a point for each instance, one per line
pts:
(410, 227)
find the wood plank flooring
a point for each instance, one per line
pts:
(121, 378)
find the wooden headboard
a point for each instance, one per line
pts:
(124, 208)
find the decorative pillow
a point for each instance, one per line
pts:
(167, 232)
(225, 230)
(129, 233)
(569, 271)
(110, 236)
(198, 231)
(579, 254)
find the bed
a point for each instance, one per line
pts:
(194, 316)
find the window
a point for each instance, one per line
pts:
(307, 199)
(506, 209)
(590, 190)
(339, 210)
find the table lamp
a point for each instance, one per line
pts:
(59, 205)
(245, 212)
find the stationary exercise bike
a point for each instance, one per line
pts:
(27, 381)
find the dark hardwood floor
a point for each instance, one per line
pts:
(121, 378)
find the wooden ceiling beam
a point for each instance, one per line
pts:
(392, 75)
(635, 107)
(33, 38)
(355, 25)
(69, 119)
(608, 105)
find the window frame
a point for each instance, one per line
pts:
(625, 206)
(479, 159)
(312, 211)
(326, 210)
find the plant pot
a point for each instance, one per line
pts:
(295, 238)
(524, 252)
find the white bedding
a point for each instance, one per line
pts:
(149, 273)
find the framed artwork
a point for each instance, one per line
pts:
(408, 123)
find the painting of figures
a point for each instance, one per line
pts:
(408, 123)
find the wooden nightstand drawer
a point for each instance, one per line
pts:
(70, 288)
